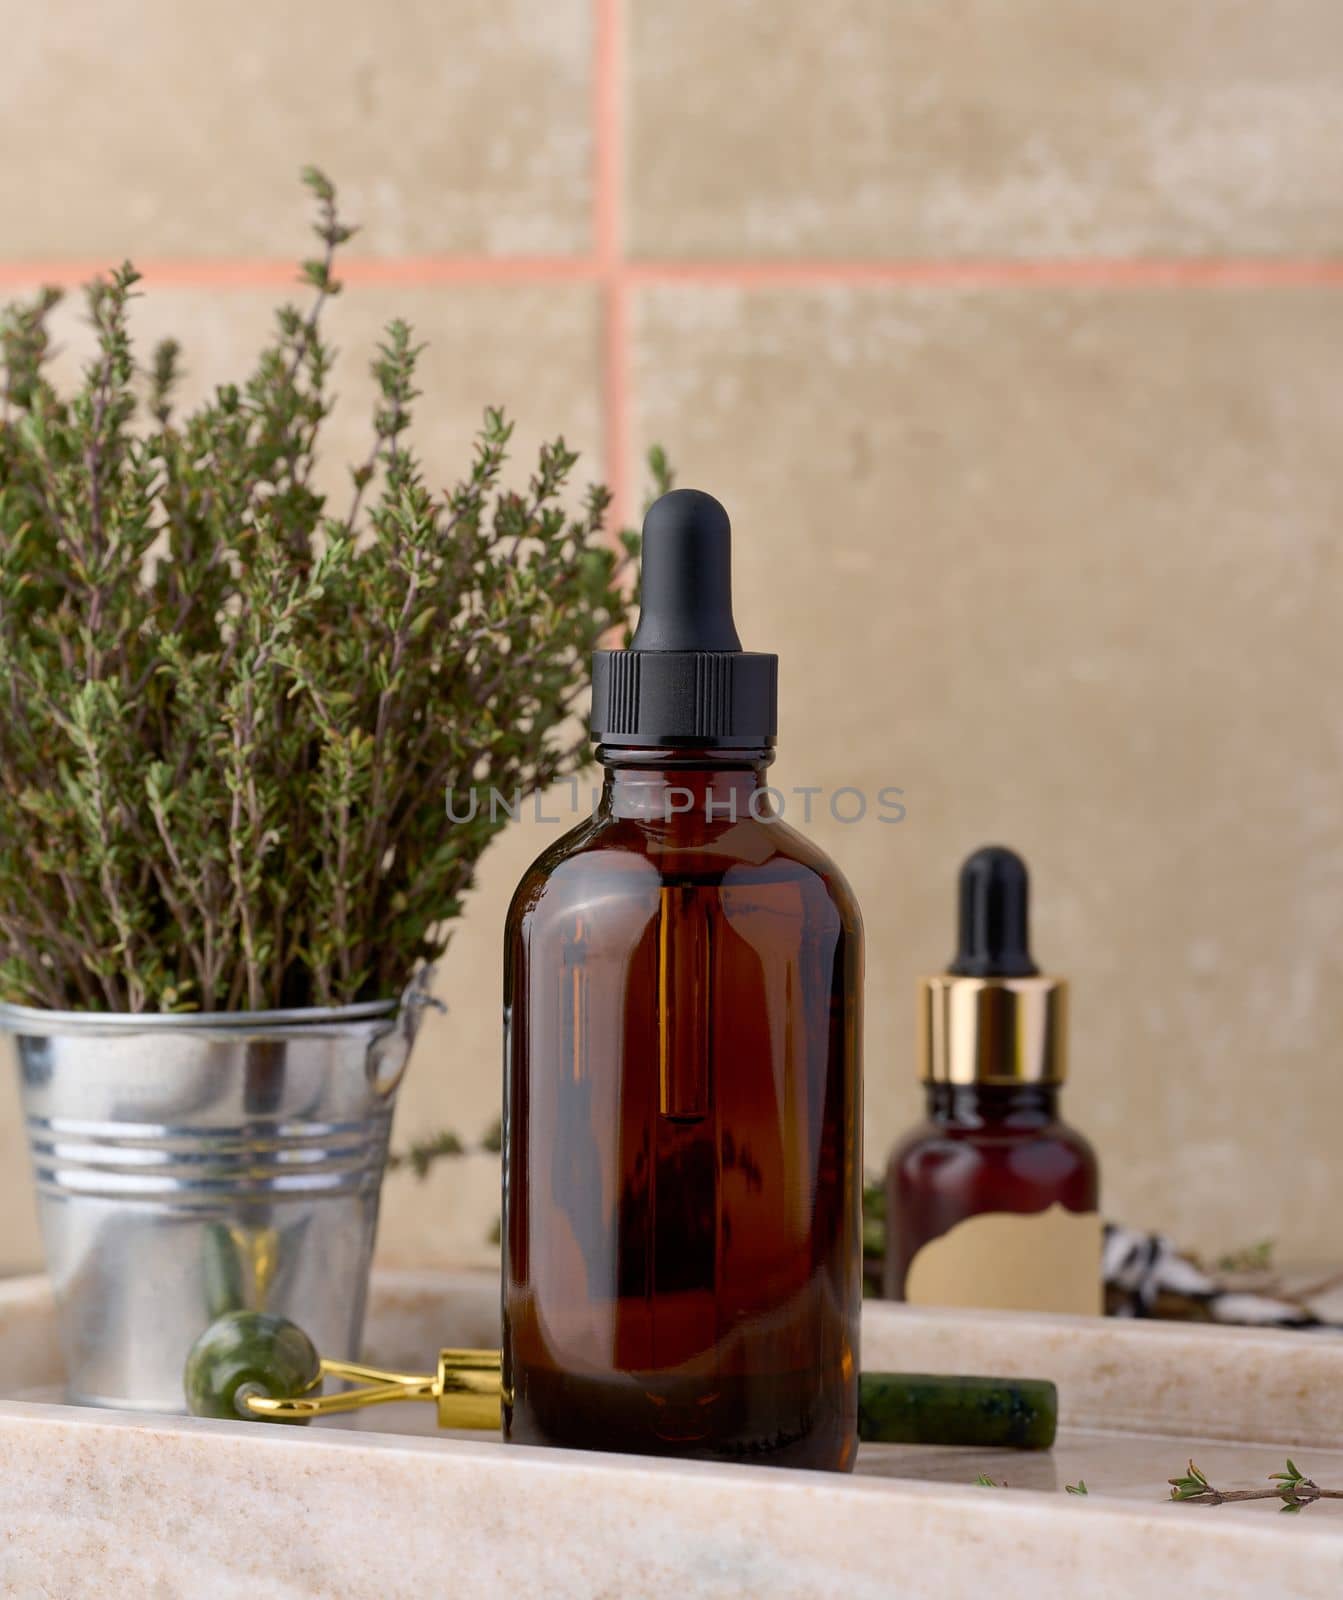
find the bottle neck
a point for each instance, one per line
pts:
(979, 1105)
(664, 785)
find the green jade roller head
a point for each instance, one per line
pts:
(263, 1368)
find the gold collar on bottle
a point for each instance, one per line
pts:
(993, 1030)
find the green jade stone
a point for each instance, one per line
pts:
(249, 1352)
(923, 1408)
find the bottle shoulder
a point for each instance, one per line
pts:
(608, 857)
(743, 849)
(1076, 1140)
(554, 860)
(933, 1140)
(809, 856)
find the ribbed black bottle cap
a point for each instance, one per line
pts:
(685, 678)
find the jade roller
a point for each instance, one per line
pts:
(259, 1367)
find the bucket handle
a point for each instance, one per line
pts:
(389, 1052)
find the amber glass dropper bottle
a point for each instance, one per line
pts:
(682, 1161)
(992, 1201)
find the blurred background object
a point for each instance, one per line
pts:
(1010, 336)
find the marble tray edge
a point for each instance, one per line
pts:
(215, 1508)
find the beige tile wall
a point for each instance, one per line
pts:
(935, 128)
(175, 130)
(1065, 568)
(1044, 538)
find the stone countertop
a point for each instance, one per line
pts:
(102, 1503)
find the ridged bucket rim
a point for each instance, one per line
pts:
(38, 1021)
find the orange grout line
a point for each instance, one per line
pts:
(407, 271)
(988, 273)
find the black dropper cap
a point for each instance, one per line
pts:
(685, 678)
(995, 940)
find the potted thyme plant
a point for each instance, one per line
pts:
(232, 710)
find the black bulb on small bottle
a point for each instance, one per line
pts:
(994, 939)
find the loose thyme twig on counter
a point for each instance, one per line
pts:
(1295, 1489)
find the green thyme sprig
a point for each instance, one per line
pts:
(230, 712)
(423, 1154)
(1256, 1257)
(1294, 1489)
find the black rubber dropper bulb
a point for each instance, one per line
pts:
(994, 939)
(685, 585)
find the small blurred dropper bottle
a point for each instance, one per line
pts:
(992, 1201)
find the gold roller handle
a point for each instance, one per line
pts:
(467, 1388)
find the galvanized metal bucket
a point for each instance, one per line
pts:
(190, 1165)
